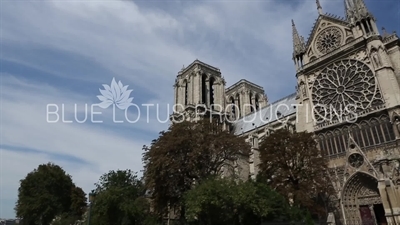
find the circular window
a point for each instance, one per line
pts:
(328, 40)
(344, 87)
(356, 160)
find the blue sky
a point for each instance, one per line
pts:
(62, 52)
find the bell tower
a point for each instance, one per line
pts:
(199, 91)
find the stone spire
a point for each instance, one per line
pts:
(348, 10)
(319, 7)
(298, 42)
(356, 10)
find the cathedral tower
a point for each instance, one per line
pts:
(199, 91)
(244, 98)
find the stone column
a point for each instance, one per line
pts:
(242, 101)
(222, 96)
(175, 94)
(246, 102)
(190, 90)
(237, 106)
(389, 201)
(197, 88)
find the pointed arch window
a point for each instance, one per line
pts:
(233, 107)
(186, 92)
(238, 105)
(330, 143)
(387, 129)
(211, 82)
(357, 135)
(377, 131)
(203, 89)
(257, 104)
(366, 134)
(251, 103)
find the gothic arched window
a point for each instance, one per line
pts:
(204, 89)
(342, 86)
(366, 134)
(238, 105)
(211, 82)
(251, 103)
(233, 107)
(186, 92)
(256, 101)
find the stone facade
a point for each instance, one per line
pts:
(348, 95)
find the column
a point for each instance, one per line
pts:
(237, 106)
(190, 90)
(242, 101)
(197, 88)
(175, 94)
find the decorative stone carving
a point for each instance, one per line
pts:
(361, 56)
(346, 86)
(310, 81)
(376, 59)
(329, 39)
(397, 123)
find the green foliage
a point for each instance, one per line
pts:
(292, 164)
(223, 201)
(187, 152)
(120, 199)
(48, 192)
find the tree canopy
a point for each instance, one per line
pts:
(120, 199)
(187, 153)
(46, 193)
(292, 164)
(224, 201)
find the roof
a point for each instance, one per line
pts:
(243, 81)
(200, 63)
(269, 114)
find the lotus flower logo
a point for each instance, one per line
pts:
(116, 94)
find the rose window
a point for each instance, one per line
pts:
(344, 88)
(329, 39)
(356, 160)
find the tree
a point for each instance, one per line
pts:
(120, 199)
(186, 153)
(293, 165)
(46, 193)
(224, 201)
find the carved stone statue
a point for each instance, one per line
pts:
(376, 59)
(397, 124)
(303, 90)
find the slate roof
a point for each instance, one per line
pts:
(283, 107)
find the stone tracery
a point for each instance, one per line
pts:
(367, 133)
(343, 88)
(329, 39)
(356, 160)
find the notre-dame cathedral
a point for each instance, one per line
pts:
(345, 62)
